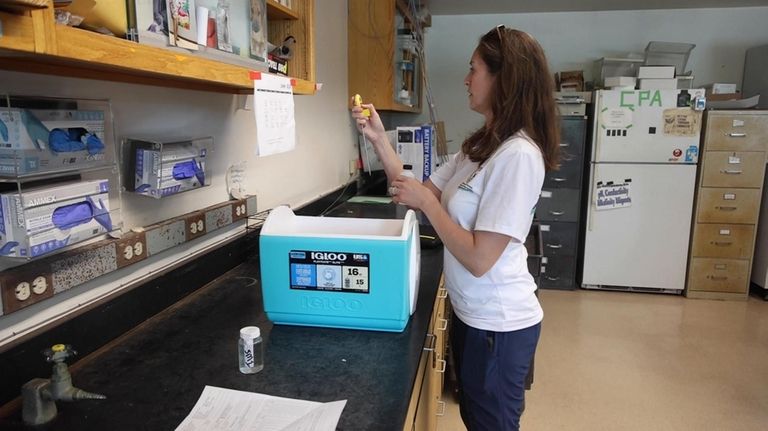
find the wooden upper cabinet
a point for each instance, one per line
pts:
(383, 65)
(31, 42)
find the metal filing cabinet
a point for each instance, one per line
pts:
(729, 189)
(559, 207)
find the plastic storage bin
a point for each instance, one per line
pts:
(669, 54)
(340, 272)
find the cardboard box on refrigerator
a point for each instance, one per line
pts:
(416, 147)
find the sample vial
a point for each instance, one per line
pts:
(250, 351)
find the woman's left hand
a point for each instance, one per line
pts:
(408, 191)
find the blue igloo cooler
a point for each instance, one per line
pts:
(340, 272)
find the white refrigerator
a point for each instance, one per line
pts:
(645, 151)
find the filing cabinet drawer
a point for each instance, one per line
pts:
(736, 131)
(723, 241)
(559, 273)
(733, 169)
(718, 275)
(568, 176)
(728, 205)
(573, 134)
(558, 205)
(559, 238)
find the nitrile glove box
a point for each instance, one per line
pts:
(340, 272)
(41, 140)
(163, 169)
(41, 220)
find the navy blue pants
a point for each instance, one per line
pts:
(491, 368)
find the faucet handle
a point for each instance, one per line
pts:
(59, 352)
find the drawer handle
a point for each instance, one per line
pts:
(722, 243)
(443, 325)
(732, 171)
(552, 278)
(429, 343)
(440, 368)
(726, 208)
(565, 144)
(442, 293)
(557, 213)
(441, 408)
(555, 246)
(559, 179)
(737, 135)
(718, 277)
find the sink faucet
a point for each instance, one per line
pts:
(40, 395)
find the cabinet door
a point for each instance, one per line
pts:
(382, 63)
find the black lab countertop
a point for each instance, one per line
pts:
(153, 375)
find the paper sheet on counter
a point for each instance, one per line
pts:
(220, 409)
(274, 111)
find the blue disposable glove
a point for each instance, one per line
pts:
(35, 128)
(7, 248)
(60, 141)
(184, 170)
(100, 213)
(94, 144)
(72, 215)
(199, 172)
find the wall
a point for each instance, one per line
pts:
(326, 142)
(573, 40)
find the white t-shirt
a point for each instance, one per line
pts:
(499, 197)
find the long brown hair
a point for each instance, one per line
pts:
(523, 96)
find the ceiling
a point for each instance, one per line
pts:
(468, 7)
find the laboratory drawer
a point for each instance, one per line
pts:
(559, 273)
(558, 205)
(559, 238)
(733, 169)
(718, 205)
(568, 176)
(736, 131)
(728, 241)
(718, 275)
(573, 134)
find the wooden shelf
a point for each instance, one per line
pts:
(276, 11)
(32, 43)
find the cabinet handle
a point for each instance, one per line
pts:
(429, 343)
(737, 135)
(726, 208)
(442, 293)
(555, 246)
(722, 243)
(552, 278)
(559, 179)
(557, 213)
(441, 408)
(440, 368)
(731, 171)
(718, 277)
(443, 325)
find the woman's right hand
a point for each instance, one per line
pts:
(371, 127)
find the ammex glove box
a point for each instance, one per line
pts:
(340, 272)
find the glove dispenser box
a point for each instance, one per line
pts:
(163, 168)
(39, 136)
(340, 272)
(38, 220)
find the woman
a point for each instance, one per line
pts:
(481, 204)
